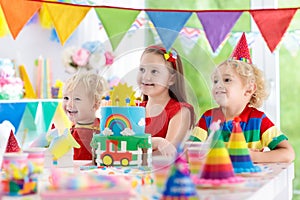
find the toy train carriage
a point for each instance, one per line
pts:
(122, 150)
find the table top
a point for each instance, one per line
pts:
(275, 183)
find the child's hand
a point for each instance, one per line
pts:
(165, 147)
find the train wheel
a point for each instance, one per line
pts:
(107, 160)
(124, 162)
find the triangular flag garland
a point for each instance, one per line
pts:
(66, 18)
(273, 24)
(168, 25)
(217, 25)
(116, 23)
(239, 152)
(217, 170)
(18, 13)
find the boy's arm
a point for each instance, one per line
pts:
(283, 152)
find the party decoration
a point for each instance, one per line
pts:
(29, 91)
(18, 13)
(179, 184)
(11, 87)
(12, 144)
(116, 23)
(90, 56)
(61, 15)
(217, 25)
(241, 51)
(217, 170)
(168, 25)
(62, 144)
(5, 129)
(238, 151)
(273, 24)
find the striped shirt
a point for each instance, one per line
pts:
(259, 130)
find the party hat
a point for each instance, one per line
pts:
(238, 150)
(241, 51)
(217, 169)
(12, 145)
(179, 184)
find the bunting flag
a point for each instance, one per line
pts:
(168, 25)
(45, 18)
(116, 23)
(273, 24)
(217, 25)
(3, 25)
(66, 18)
(12, 112)
(18, 13)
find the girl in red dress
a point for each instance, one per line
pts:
(168, 115)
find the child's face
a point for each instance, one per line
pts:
(79, 106)
(228, 89)
(154, 77)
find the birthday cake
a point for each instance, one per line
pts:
(122, 140)
(11, 87)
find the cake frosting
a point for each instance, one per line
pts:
(11, 87)
(122, 140)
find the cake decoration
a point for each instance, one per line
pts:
(217, 170)
(122, 140)
(179, 184)
(239, 152)
(11, 87)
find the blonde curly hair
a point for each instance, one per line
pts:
(94, 84)
(251, 74)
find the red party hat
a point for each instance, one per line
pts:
(241, 51)
(12, 144)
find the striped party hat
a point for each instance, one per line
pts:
(238, 150)
(241, 51)
(217, 170)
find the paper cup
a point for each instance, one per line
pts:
(161, 166)
(17, 180)
(195, 155)
(36, 159)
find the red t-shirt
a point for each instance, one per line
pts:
(83, 134)
(158, 126)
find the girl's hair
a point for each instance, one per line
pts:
(177, 90)
(251, 74)
(95, 85)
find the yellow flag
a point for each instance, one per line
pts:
(3, 25)
(29, 91)
(45, 18)
(66, 18)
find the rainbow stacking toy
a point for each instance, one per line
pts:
(238, 151)
(217, 170)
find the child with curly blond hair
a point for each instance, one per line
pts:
(82, 96)
(239, 89)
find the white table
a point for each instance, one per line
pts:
(277, 184)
